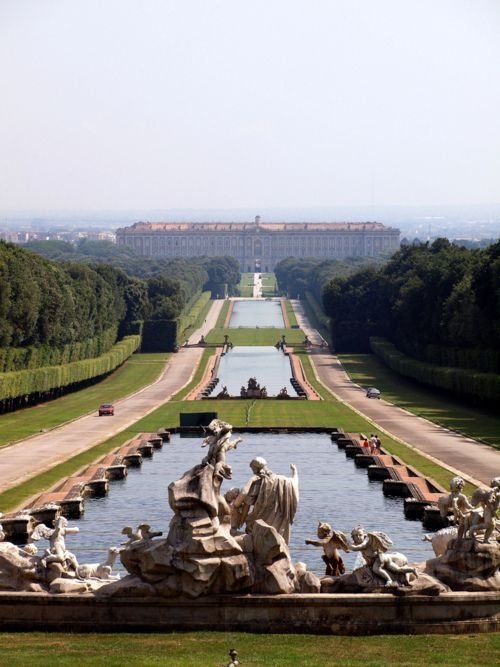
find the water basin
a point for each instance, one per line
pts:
(269, 366)
(332, 489)
(251, 313)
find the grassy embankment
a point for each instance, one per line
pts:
(222, 314)
(246, 285)
(192, 649)
(292, 319)
(368, 371)
(269, 285)
(256, 336)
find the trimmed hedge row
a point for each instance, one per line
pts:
(313, 308)
(13, 359)
(486, 360)
(166, 335)
(42, 380)
(463, 383)
(159, 336)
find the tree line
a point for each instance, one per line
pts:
(437, 302)
(296, 276)
(54, 304)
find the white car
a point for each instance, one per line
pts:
(371, 392)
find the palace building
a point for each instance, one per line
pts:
(259, 246)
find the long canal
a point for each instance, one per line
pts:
(332, 489)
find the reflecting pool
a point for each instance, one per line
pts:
(254, 313)
(269, 366)
(332, 489)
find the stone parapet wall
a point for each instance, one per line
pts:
(312, 614)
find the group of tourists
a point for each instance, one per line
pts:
(372, 444)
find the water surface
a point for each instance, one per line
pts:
(332, 489)
(255, 313)
(269, 366)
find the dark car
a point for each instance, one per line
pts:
(106, 409)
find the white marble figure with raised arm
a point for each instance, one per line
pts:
(269, 497)
(57, 552)
(218, 442)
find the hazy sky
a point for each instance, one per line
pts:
(119, 104)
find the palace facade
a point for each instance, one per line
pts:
(259, 246)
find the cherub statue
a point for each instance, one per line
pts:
(132, 537)
(331, 541)
(218, 442)
(373, 547)
(456, 501)
(235, 516)
(57, 552)
(484, 517)
(147, 533)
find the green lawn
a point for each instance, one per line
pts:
(246, 284)
(223, 314)
(269, 285)
(138, 371)
(292, 319)
(195, 649)
(256, 336)
(367, 370)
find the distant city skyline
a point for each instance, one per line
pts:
(286, 105)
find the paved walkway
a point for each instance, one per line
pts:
(472, 459)
(257, 286)
(25, 459)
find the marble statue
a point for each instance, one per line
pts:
(204, 553)
(373, 547)
(331, 541)
(57, 552)
(483, 517)
(147, 533)
(307, 581)
(132, 536)
(234, 512)
(469, 559)
(283, 393)
(253, 390)
(218, 442)
(441, 538)
(269, 497)
(99, 570)
(455, 502)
